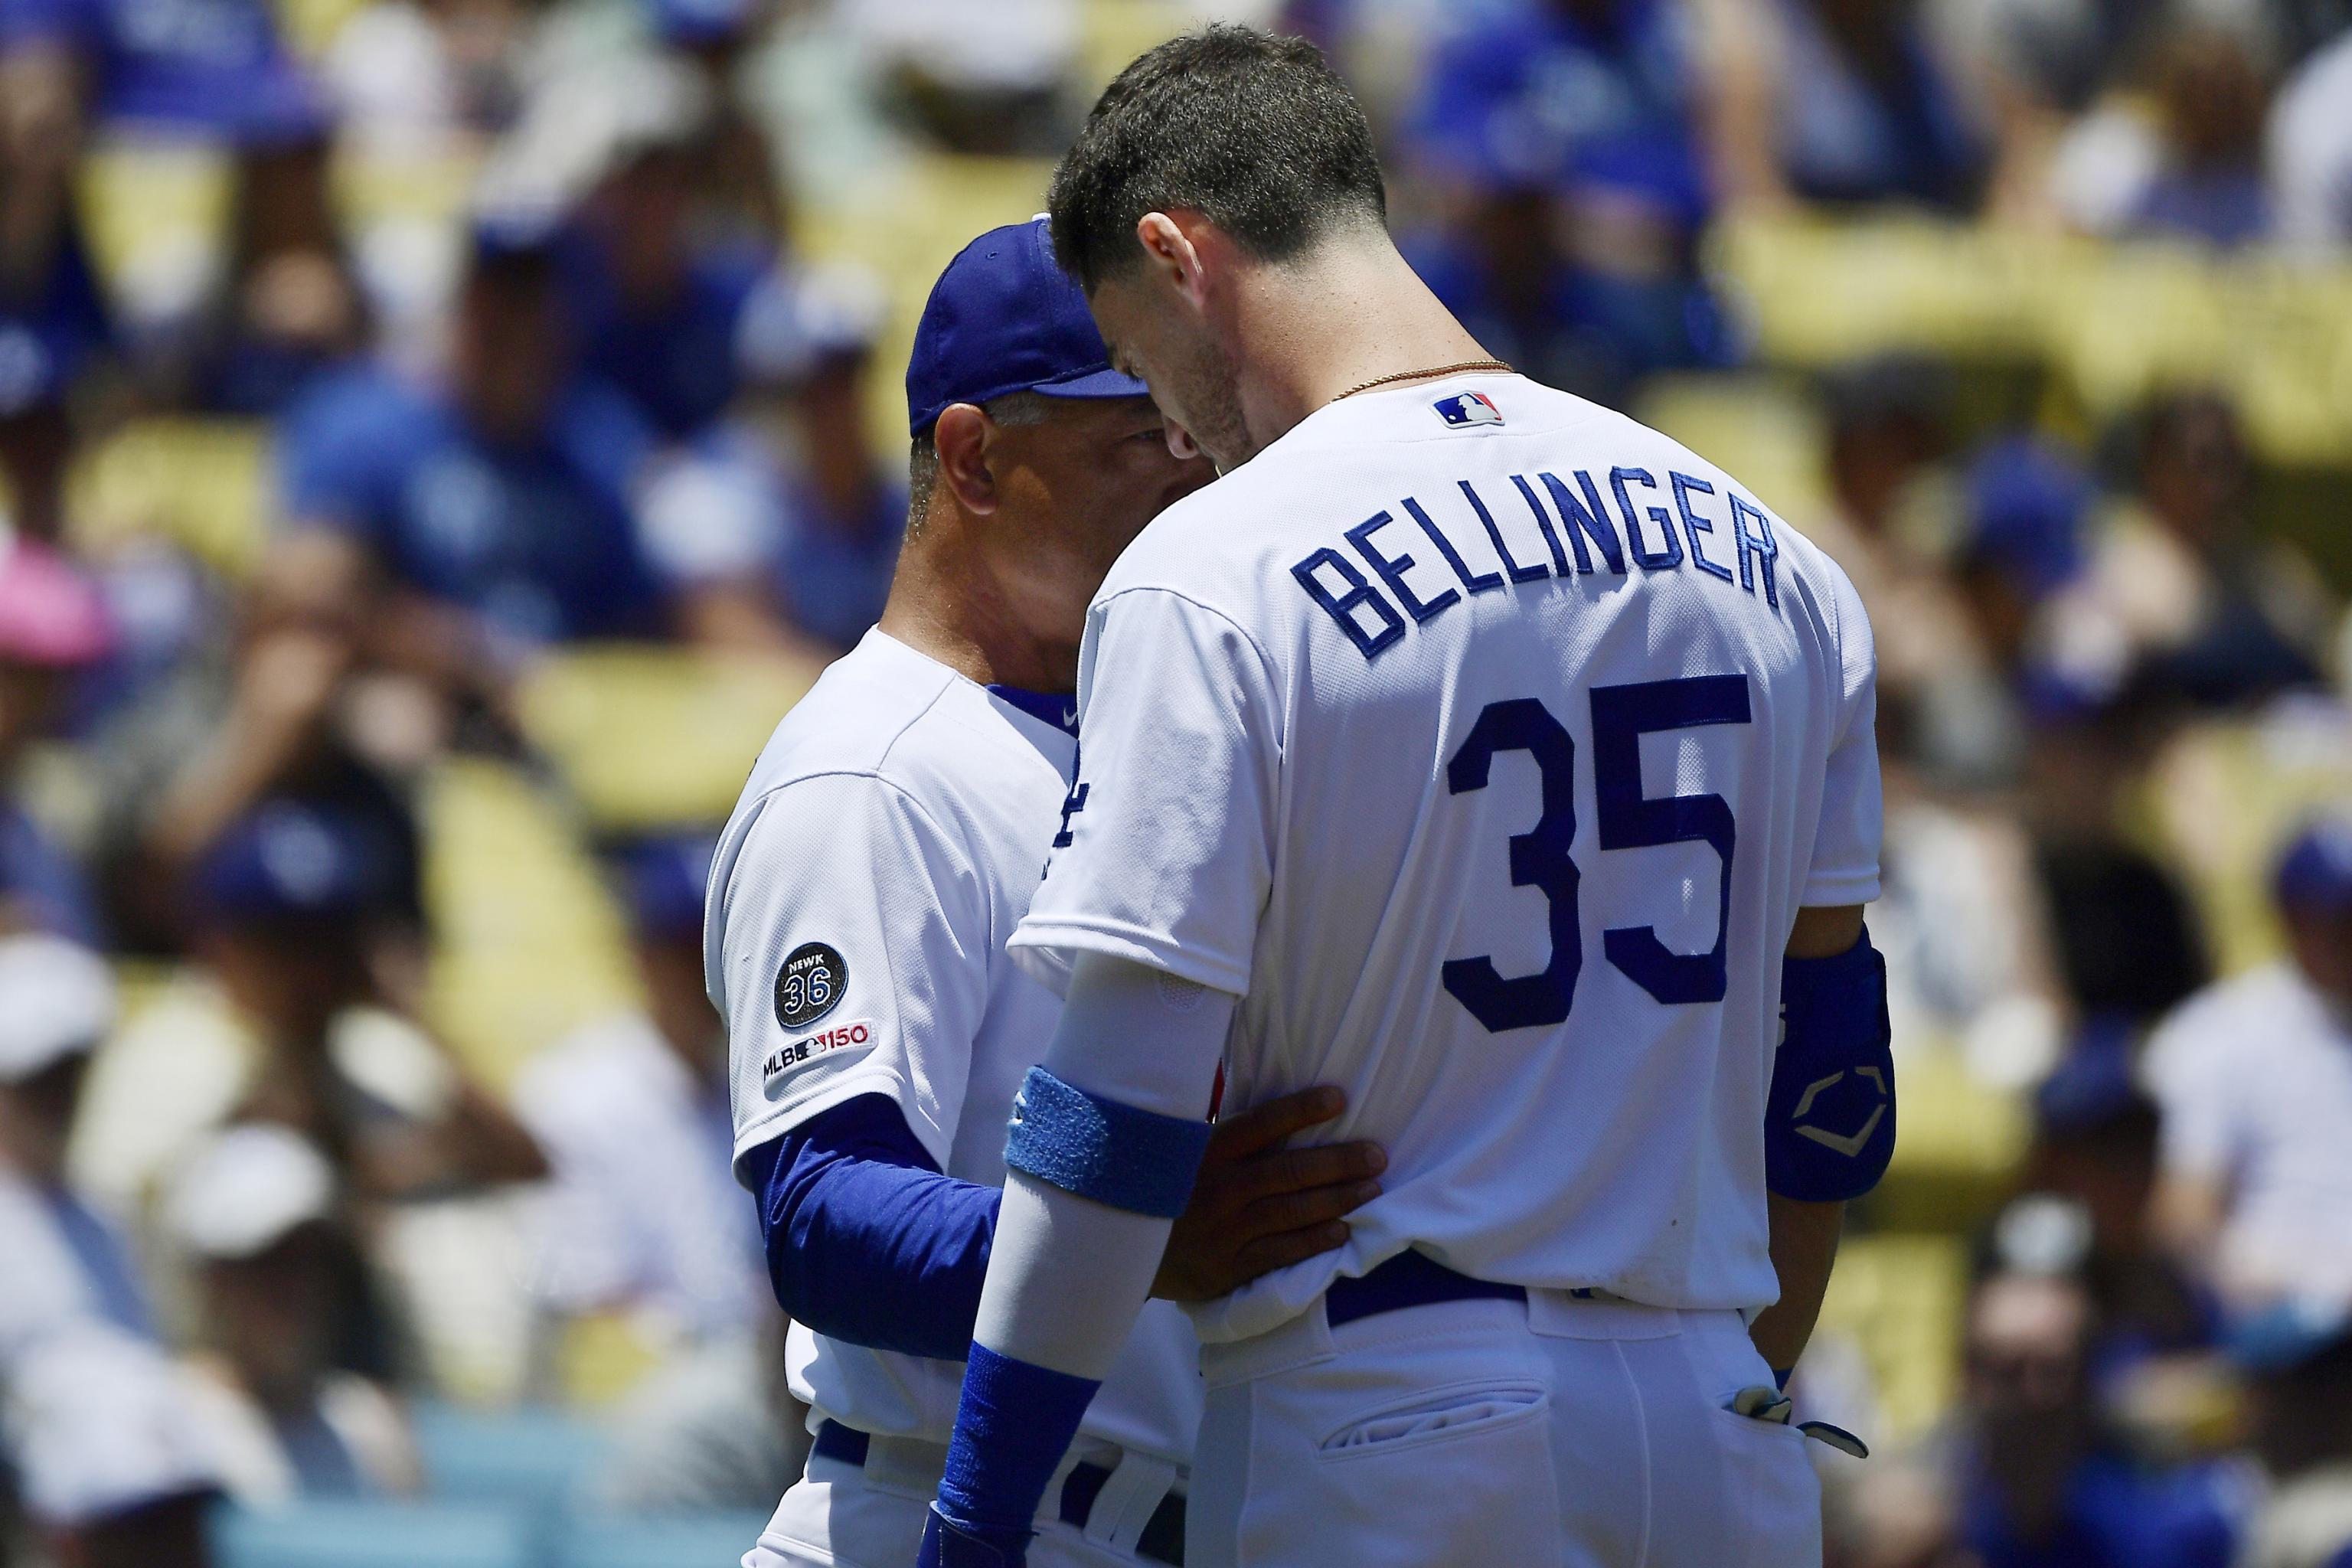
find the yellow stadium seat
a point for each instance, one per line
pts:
(528, 944)
(1115, 31)
(371, 189)
(650, 737)
(203, 484)
(310, 26)
(1900, 1298)
(2117, 322)
(2221, 800)
(1958, 1149)
(1757, 427)
(157, 216)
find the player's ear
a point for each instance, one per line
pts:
(962, 439)
(1170, 256)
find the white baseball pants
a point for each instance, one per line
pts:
(1488, 1433)
(842, 1516)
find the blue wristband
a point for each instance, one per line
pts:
(1014, 1424)
(1101, 1148)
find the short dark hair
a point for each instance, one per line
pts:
(1256, 132)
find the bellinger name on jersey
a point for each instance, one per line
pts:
(1582, 538)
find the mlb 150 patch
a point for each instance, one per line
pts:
(855, 1036)
(809, 985)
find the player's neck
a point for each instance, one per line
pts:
(1352, 312)
(946, 604)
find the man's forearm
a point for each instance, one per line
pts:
(1804, 1248)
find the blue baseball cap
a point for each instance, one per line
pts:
(290, 860)
(1004, 318)
(2315, 872)
(2026, 502)
(661, 879)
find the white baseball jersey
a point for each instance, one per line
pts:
(2254, 1077)
(885, 846)
(1488, 742)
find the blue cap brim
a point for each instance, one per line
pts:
(1104, 383)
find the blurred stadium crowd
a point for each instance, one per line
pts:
(440, 437)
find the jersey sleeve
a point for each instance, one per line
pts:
(1166, 851)
(1844, 868)
(854, 959)
(2190, 1073)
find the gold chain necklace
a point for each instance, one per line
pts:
(1464, 366)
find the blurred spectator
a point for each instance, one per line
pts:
(2211, 94)
(53, 324)
(254, 1215)
(784, 512)
(1561, 138)
(1961, 920)
(2026, 502)
(2180, 593)
(418, 78)
(209, 72)
(2300, 1364)
(270, 704)
(718, 1428)
(2095, 1138)
(1941, 702)
(2255, 1078)
(52, 624)
(1839, 102)
(213, 69)
(740, 195)
(631, 1112)
(2039, 1483)
(67, 1261)
(997, 90)
(2044, 65)
(657, 303)
(112, 1462)
(462, 525)
(2310, 150)
(2127, 947)
(283, 907)
(288, 305)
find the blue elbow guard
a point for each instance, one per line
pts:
(1118, 1155)
(1829, 1124)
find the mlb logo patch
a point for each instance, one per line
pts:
(1465, 409)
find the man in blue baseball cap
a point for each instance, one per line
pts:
(887, 841)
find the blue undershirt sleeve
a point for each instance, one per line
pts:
(866, 1241)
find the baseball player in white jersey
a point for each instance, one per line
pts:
(887, 843)
(1476, 749)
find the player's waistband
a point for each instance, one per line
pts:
(1083, 1486)
(1413, 1279)
(1409, 1279)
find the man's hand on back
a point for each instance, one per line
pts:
(1258, 1207)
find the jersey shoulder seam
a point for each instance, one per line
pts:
(947, 680)
(758, 805)
(1265, 665)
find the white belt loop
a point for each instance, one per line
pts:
(1129, 1499)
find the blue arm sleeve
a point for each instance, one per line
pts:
(866, 1241)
